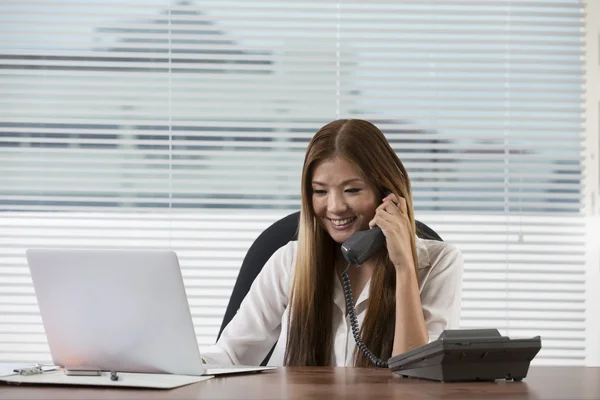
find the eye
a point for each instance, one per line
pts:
(319, 192)
(353, 190)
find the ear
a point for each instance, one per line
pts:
(385, 192)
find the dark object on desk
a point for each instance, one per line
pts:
(469, 355)
(270, 240)
(114, 376)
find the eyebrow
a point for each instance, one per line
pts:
(343, 183)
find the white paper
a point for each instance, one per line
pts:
(158, 381)
(9, 368)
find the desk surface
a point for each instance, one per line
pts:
(342, 383)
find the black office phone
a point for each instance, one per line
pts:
(468, 355)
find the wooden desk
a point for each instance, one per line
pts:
(342, 383)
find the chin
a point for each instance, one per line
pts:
(340, 237)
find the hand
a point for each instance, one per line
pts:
(392, 217)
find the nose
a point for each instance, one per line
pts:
(336, 204)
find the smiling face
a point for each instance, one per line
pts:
(342, 201)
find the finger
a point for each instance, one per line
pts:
(380, 221)
(388, 215)
(390, 207)
(391, 197)
(372, 223)
(381, 207)
(403, 206)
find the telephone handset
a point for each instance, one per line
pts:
(362, 245)
(356, 250)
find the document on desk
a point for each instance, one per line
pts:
(9, 368)
(155, 381)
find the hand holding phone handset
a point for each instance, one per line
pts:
(356, 250)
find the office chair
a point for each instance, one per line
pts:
(271, 239)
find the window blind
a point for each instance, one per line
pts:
(183, 125)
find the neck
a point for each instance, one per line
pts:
(339, 257)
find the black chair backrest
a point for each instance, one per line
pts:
(271, 239)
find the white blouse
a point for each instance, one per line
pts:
(263, 315)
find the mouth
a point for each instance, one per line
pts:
(342, 223)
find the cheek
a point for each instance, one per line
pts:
(317, 205)
(368, 210)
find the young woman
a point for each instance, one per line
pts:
(405, 295)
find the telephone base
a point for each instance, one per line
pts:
(468, 355)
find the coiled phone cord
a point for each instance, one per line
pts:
(354, 322)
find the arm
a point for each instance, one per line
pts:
(437, 307)
(421, 315)
(441, 289)
(411, 329)
(255, 328)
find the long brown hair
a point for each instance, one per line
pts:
(310, 336)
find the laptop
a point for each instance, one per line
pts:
(118, 310)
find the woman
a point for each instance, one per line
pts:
(405, 295)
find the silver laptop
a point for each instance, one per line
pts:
(121, 310)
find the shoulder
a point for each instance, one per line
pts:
(283, 259)
(436, 257)
(286, 254)
(434, 252)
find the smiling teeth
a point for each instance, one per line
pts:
(340, 222)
